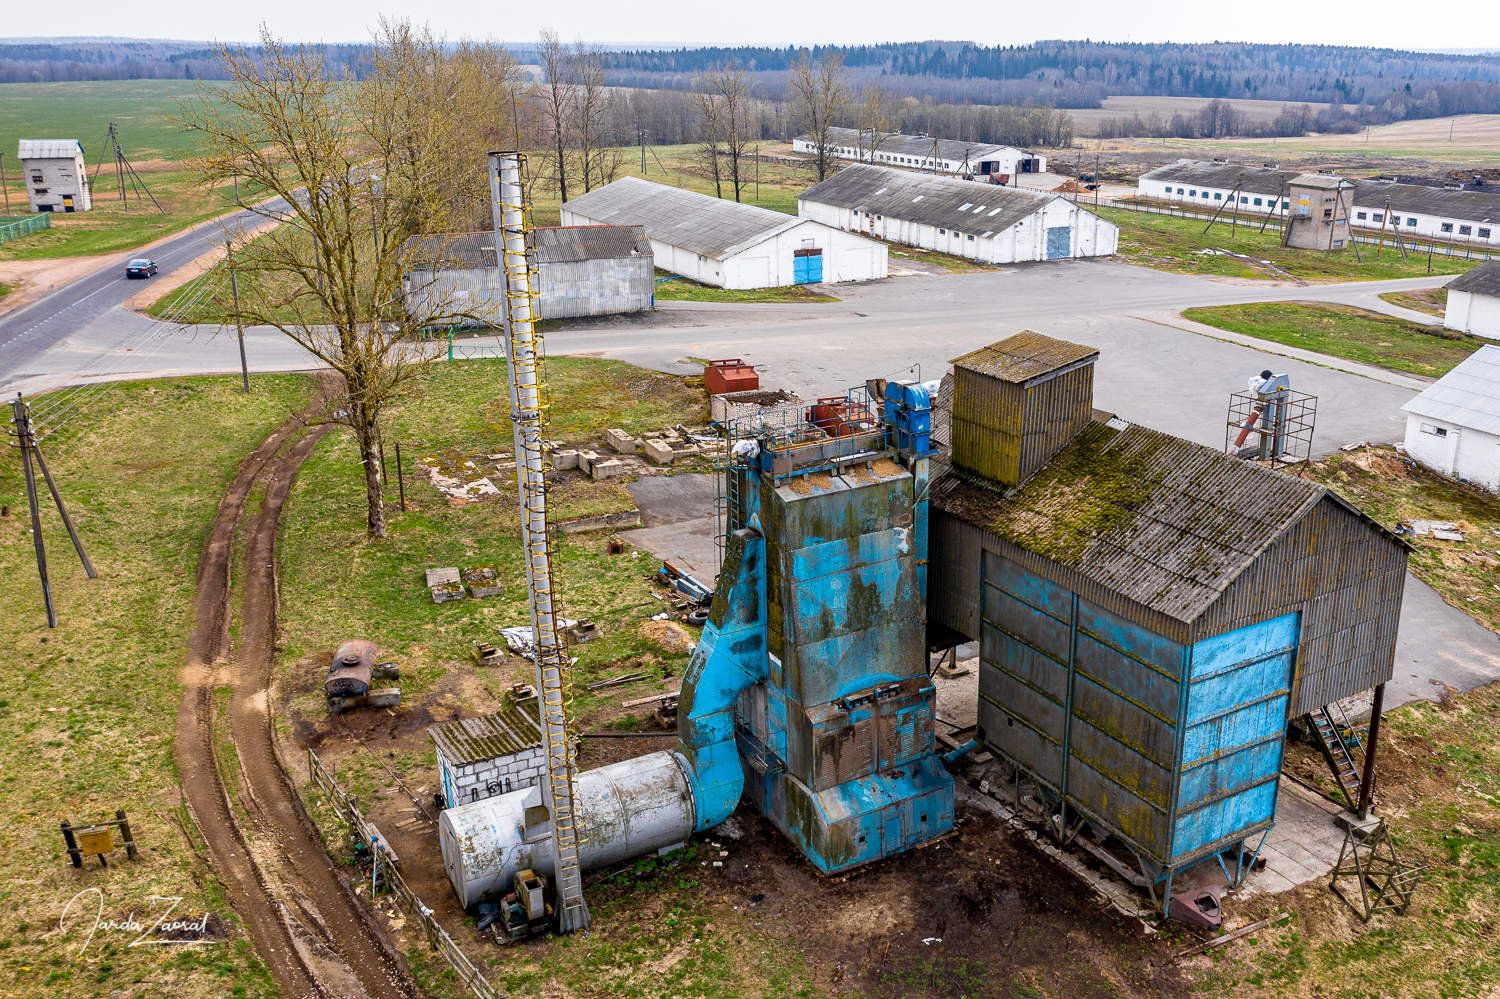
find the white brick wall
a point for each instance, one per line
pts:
(487, 778)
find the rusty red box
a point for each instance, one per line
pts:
(730, 375)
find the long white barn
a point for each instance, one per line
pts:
(727, 244)
(922, 152)
(991, 224)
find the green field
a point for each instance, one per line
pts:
(1345, 331)
(83, 111)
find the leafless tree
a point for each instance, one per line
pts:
(731, 86)
(708, 106)
(589, 120)
(557, 97)
(873, 120)
(819, 95)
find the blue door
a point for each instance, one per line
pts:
(807, 267)
(1059, 242)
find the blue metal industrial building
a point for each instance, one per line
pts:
(1151, 613)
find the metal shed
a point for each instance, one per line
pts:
(967, 219)
(727, 244)
(583, 271)
(1150, 614)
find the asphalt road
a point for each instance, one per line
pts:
(87, 311)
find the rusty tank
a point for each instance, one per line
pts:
(349, 673)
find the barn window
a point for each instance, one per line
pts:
(1360, 215)
(1217, 196)
(971, 236)
(1192, 194)
(942, 232)
(1484, 234)
(1179, 190)
(1447, 226)
(1377, 217)
(1244, 200)
(1411, 221)
(1286, 204)
(1428, 428)
(1464, 230)
(1257, 201)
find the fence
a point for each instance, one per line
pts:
(437, 937)
(16, 227)
(1423, 245)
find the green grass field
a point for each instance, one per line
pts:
(84, 110)
(87, 710)
(1345, 331)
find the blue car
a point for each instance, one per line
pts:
(140, 268)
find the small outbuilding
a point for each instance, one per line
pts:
(56, 177)
(991, 224)
(490, 755)
(582, 271)
(1453, 426)
(1474, 302)
(728, 244)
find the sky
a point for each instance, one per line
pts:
(772, 22)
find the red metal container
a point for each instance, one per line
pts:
(730, 375)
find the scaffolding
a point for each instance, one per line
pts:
(1274, 427)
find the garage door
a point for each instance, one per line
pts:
(1059, 242)
(807, 266)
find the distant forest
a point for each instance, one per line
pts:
(122, 59)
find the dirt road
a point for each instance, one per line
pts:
(316, 937)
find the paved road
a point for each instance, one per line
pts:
(86, 314)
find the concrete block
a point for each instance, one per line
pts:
(448, 592)
(606, 469)
(586, 461)
(565, 459)
(660, 452)
(436, 577)
(620, 441)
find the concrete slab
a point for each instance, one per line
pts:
(672, 499)
(689, 544)
(958, 698)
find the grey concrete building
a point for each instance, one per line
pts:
(55, 176)
(583, 271)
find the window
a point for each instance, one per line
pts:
(1378, 217)
(1464, 230)
(1360, 215)
(1179, 191)
(1447, 226)
(1192, 194)
(1411, 221)
(1257, 201)
(41, 190)
(1244, 200)
(1328, 213)
(36, 176)
(942, 232)
(1285, 205)
(971, 237)
(1428, 428)
(1484, 233)
(1217, 196)
(1205, 194)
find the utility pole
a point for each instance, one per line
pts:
(26, 441)
(4, 184)
(1096, 180)
(234, 287)
(641, 134)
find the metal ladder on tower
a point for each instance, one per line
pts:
(1336, 752)
(526, 362)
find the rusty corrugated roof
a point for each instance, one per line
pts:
(1160, 520)
(1025, 356)
(503, 733)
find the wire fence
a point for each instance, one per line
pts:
(15, 227)
(366, 832)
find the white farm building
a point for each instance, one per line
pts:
(1453, 426)
(922, 152)
(1474, 302)
(55, 175)
(997, 225)
(728, 244)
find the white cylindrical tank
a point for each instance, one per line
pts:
(625, 810)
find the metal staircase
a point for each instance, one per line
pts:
(1331, 742)
(528, 383)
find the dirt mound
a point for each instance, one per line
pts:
(668, 635)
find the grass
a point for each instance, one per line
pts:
(947, 261)
(87, 710)
(1347, 332)
(680, 289)
(1433, 301)
(84, 110)
(1176, 244)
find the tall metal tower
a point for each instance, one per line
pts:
(525, 359)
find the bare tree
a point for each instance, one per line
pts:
(708, 107)
(819, 95)
(873, 120)
(358, 167)
(557, 96)
(589, 121)
(731, 85)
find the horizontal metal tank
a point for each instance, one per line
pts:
(625, 810)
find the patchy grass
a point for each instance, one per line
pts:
(1393, 488)
(1433, 301)
(87, 710)
(1346, 331)
(947, 261)
(680, 289)
(1175, 244)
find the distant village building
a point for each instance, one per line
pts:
(587, 271)
(726, 244)
(55, 175)
(982, 160)
(1453, 426)
(1474, 302)
(997, 225)
(1319, 216)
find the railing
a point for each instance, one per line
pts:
(16, 227)
(437, 937)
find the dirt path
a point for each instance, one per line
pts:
(306, 924)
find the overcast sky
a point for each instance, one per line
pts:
(774, 22)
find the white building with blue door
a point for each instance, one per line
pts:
(984, 222)
(728, 244)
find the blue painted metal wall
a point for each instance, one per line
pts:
(1173, 749)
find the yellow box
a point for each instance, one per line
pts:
(92, 841)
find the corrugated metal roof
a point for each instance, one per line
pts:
(1482, 280)
(694, 222)
(1025, 356)
(1255, 180)
(1474, 206)
(554, 245)
(920, 146)
(1469, 395)
(962, 205)
(504, 733)
(1160, 520)
(49, 149)
(1322, 182)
